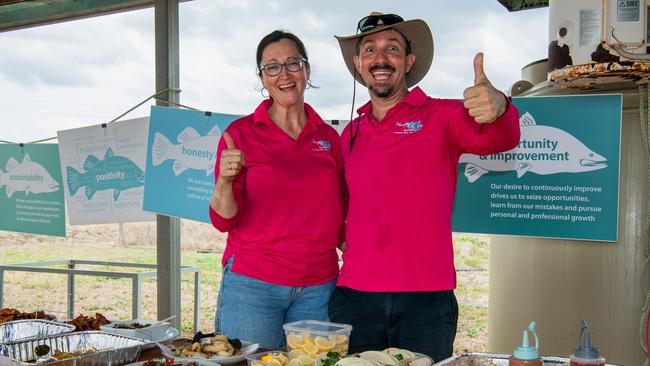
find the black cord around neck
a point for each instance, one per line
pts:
(353, 136)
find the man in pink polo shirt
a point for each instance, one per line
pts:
(396, 286)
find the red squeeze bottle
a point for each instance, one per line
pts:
(586, 354)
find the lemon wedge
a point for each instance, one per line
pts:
(310, 348)
(324, 344)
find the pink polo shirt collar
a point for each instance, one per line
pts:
(416, 98)
(261, 116)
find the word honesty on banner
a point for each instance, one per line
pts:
(561, 181)
(180, 161)
(31, 194)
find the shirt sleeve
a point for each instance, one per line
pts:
(219, 222)
(484, 138)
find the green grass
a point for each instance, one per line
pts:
(28, 291)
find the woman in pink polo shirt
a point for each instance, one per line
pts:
(279, 194)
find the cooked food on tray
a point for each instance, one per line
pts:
(168, 362)
(389, 356)
(472, 361)
(8, 314)
(83, 322)
(218, 345)
(43, 349)
(135, 325)
(60, 355)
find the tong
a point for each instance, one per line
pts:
(199, 335)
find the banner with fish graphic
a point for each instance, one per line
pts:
(103, 167)
(31, 194)
(180, 161)
(561, 181)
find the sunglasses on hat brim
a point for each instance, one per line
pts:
(372, 21)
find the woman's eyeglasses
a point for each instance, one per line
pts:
(372, 21)
(275, 68)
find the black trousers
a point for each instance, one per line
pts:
(423, 322)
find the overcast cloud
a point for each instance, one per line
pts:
(86, 72)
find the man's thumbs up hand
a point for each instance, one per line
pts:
(479, 73)
(482, 100)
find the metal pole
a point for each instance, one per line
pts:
(135, 301)
(168, 228)
(71, 265)
(197, 300)
(2, 289)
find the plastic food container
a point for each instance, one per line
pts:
(269, 358)
(312, 339)
(150, 332)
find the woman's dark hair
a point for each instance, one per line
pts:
(276, 36)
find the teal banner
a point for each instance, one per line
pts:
(561, 181)
(179, 175)
(31, 194)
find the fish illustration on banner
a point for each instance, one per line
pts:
(181, 155)
(542, 150)
(31, 189)
(113, 172)
(27, 176)
(193, 151)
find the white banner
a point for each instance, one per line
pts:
(103, 172)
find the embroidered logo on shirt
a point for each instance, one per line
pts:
(322, 145)
(407, 128)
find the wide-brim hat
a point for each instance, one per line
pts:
(416, 31)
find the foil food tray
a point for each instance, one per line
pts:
(498, 359)
(31, 328)
(111, 349)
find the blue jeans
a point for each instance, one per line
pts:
(422, 322)
(254, 310)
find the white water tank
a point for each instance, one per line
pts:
(586, 31)
(558, 282)
(598, 38)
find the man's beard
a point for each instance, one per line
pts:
(382, 93)
(388, 91)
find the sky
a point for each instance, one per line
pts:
(87, 72)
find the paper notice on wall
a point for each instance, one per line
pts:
(590, 26)
(627, 10)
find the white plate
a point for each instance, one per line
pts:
(246, 349)
(169, 335)
(154, 330)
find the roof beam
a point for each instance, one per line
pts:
(516, 5)
(18, 14)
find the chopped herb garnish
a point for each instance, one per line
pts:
(330, 359)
